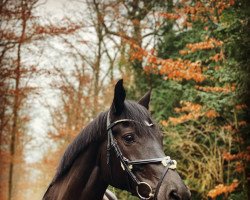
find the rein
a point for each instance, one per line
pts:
(127, 165)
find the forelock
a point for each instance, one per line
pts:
(138, 113)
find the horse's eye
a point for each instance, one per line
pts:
(129, 138)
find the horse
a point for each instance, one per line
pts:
(121, 147)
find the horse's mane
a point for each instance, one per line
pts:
(95, 131)
(91, 133)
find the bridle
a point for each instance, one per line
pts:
(127, 165)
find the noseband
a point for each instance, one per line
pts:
(127, 165)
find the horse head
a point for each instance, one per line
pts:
(133, 158)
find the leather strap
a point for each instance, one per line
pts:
(146, 161)
(160, 182)
(127, 164)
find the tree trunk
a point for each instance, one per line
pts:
(17, 102)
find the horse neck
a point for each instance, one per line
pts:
(82, 181)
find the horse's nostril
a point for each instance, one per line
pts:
(173, 195)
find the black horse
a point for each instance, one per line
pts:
(122, 147)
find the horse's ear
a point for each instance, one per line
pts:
(144, 101)
(119, 98)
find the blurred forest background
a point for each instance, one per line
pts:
(59, 61)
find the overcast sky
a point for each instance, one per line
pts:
(38, 126)
(54, 6)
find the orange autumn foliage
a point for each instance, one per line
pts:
(239, 156)
(182, 118)
(211, 114)
(202, 10)
(223, 189)
(228, 127)
(241, 106)
(242, 123)
(188, 107)
(217, 57)
(226, 89)
(169, 68)
(181, 69)
(173, 16)
(210, 43)
(194, 112)
(239, 167)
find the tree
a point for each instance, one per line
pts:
(204, 75)
(81, 87)
(20, 29)
(15, 14)
(132, 24)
